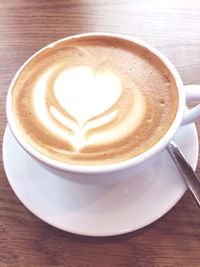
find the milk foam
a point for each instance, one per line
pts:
(39, 102)
(86, 95)
(94, 100)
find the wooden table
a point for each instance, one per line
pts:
(173, 27)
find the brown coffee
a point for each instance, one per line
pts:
(94, 100)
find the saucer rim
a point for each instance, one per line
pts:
(146, 222)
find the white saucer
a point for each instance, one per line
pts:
(93, 210)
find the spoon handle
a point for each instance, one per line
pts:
(191, 179)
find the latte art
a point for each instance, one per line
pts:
(82, 100)
(94, 100)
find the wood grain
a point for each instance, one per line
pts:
(25, 26)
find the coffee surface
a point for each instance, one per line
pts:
(94, 100)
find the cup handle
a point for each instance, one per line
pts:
(192, 94)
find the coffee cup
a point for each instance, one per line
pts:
(97, 108)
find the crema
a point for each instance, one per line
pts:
(94, 100)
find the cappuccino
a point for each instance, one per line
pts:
(94, 100)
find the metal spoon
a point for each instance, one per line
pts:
(191, 179)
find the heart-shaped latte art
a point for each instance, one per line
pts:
(84, 93)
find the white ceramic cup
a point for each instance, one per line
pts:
(112, 173)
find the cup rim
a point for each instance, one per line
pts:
(110, 167)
